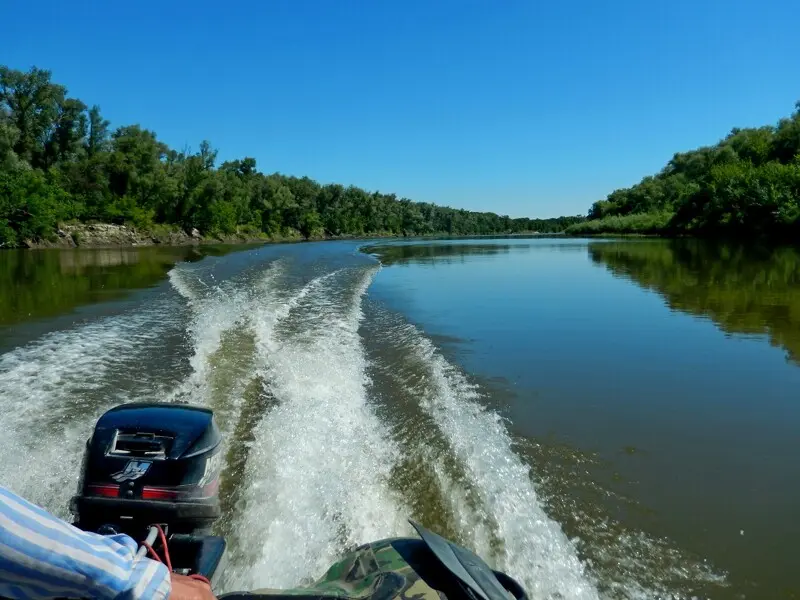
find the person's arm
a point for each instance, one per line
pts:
(41, 556)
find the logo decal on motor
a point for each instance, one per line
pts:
(133, 470)
(212, 468)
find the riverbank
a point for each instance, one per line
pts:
(108, 235)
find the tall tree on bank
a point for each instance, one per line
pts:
(97, 141)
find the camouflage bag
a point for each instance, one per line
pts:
(380, 571)
(404, 569)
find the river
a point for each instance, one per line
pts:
(602, 419)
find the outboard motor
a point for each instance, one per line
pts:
(155, 464)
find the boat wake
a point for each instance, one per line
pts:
(341, 421)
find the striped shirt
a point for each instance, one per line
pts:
(41, 556)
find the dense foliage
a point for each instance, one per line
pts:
(60, 161)
(749, 183)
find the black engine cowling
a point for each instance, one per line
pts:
(153, 463)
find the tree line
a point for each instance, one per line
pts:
(747, 184)
(61, 161)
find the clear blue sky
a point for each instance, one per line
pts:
(528, 108)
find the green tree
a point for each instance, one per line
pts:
(8, 139)
(136, 170)
(32, 102)
(66, 138)
(786, 145)
(30, 207)
(97, 140)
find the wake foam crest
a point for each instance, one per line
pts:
(529, 545)
(318, 472)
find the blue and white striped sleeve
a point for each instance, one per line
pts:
(41, 556)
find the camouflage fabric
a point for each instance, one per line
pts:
(386, 570)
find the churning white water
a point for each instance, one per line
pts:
(534, 548)
(53, 389)
(318, 474)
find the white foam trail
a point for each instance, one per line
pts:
(471, 524)
(318, 471)
(269, 311)
(534, 548)
(51, 390)
(184, 281)
(215, 310)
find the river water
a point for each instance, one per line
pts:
(602, 419)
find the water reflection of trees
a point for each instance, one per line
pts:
(744, 289)
(44, 283)
(446, 253)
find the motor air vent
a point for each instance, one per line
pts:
(139, 444)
